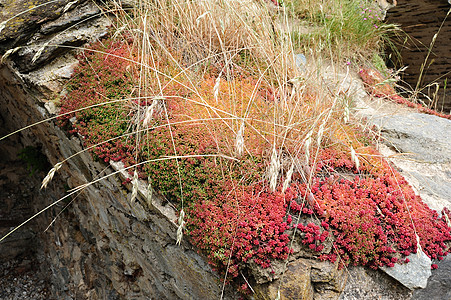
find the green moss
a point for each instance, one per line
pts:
(35, 160)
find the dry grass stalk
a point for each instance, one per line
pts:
(216, 88)
(239, 142)
(273, 170)
(8, 53)
(447, 220)
(69, 5)
(419, 249)
(355, 159)
(287, 181)
(148, 115)
(307, 144)
(135, 184)
(3, 25)
(181, 223)
(39, 52)
(50, 175)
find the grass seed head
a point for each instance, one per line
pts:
(448, 222)
(239, 142)
(419, 249)
(2, 26)
(50, 175)
(216, 88)
(181, 223)
(69, 5)
(287, 181)
(39, 53)
(134, 187)
(307, 144)
(8, 53)
(273, 171)
(179, 233)
(149, 113)
(355, 159)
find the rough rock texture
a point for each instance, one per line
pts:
(19, 279)
(47, 29)
(439, 283)
(413, 275)
(423, 140)
(416, 135)
(299, 287)
(305, 279)
(421, 21)
(17, 190)
(370, 284)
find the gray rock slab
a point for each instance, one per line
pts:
(426, 137)
(414, 274)
(72, 17)
(425, 142)
(435, 184)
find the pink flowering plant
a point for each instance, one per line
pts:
(372, 15)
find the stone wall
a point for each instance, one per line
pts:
(421, 20)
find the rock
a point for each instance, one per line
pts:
(305, 279)
(71, 17)
(323, 271)
(22, 18)
(414, 274)
(301, 61)
(423, 136)
(294, 284)
(364, 283)
(264, 275)
(329, 281)
(432, 181)
(439, 284)
(421, 20)
(48, 29)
